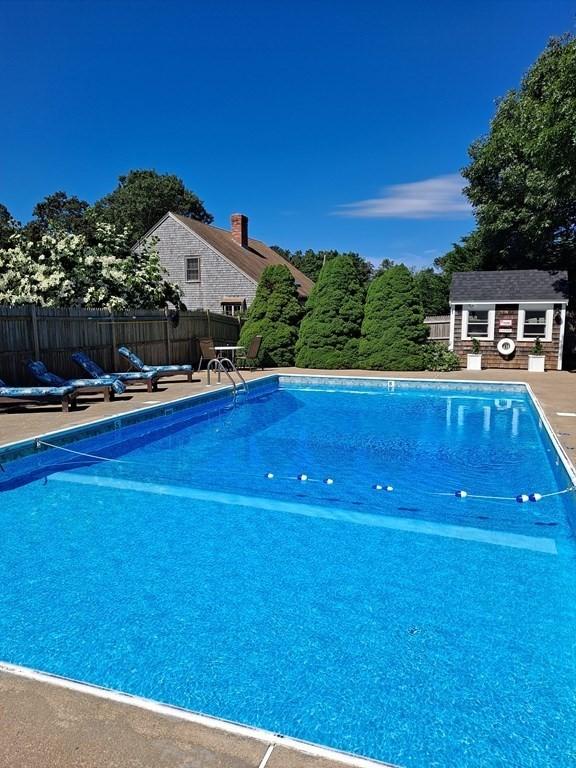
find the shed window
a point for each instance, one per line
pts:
(535, 322)
(193, 269)
(477, 322)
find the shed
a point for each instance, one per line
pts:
(520, 305)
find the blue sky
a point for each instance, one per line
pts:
(330, 124)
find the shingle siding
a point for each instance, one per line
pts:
(218, 278)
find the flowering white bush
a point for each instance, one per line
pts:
(62, 269)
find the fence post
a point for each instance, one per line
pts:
(115, 360)
(168, 340)
(35, 337)
(209, 334)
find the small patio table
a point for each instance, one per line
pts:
(221, 350)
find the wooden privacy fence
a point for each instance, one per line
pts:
(439, 326)
(52, 335)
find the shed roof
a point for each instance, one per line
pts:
(509, 286)
(251, 260)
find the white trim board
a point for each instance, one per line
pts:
(228, 726)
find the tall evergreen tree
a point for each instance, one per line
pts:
(275, 315)
(330, 331)
(393, 331)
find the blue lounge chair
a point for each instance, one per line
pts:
(108, 385)
(160, 370)
(128, 377)
(66, 396)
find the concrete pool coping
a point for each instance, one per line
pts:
(50, 721)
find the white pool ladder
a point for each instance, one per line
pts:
(226, 366)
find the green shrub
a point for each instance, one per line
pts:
(439, 358)
(275, 315)
(393, 331)
(330, 331)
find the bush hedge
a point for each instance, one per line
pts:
(330, 331)
(275, 315)
(393, 330)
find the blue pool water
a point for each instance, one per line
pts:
(409, 626)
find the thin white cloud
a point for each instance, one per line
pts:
(437, 198)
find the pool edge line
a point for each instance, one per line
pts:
(569, 466)
(197, 718)
(30, 441)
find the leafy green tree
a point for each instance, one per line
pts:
(144, 196)
(330, 331)
(465, 256)
(393, 331)
(522, 175)
(275, 315)
(433, 289)
(59, 212)
(311, 262)
(383, 266)
(8, 226)
(63, 269)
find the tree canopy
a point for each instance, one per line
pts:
(330, 331)
(61, 212)
(311, 262)
(393, 331)
(144, 196)
(275, 315)
(522, 174)
(8, 226)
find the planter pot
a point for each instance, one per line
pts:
(474, 362)
(536, 363)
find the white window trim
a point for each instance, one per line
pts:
(491, 321)
(549, 322)
(192, 256)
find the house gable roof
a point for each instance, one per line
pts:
(252, 260)
(509, 286)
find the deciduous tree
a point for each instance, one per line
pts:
(144, 196)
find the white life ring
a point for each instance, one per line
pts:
(506, 346)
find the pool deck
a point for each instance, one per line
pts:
(45, 725)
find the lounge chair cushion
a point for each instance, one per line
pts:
(39, 371)
(132, 357)
(167, 368)
(23, 392)
(138, 363)
(96, 371)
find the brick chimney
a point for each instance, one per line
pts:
(239, 227)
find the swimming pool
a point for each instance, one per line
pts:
(407, 625)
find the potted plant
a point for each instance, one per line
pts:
(537, 358)
(474, 359)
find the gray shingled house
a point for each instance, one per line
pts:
(520, 305)
(216, 269)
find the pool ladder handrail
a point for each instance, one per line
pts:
(218, 364)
